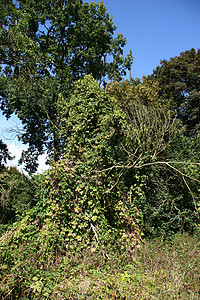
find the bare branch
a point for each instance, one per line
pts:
(168, 164)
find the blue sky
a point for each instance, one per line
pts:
(155, 30)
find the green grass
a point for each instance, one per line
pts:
(153, 270)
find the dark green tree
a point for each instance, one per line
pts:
(179, 79)
(16, 195)
(4, 154)
(45, 47)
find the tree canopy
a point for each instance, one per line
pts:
(179, 79)
(45, 47)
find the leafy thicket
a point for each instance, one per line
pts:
(124, 166)
(122, 176)
(165, 159)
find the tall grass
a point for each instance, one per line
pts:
(152, 270)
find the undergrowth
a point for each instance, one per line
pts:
(153, 270)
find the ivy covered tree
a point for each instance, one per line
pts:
(179, 79)
(45, 47)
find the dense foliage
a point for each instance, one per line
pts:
(122, 178)
(4, 154)
(161, 156)
(16, 196)
(179, 79)
(125, 165)
(45, 46)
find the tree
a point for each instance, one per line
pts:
(4, 154)
(16, 195)
(179, 79)
(161, 165)
(45, 47)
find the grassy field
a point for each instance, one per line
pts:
(152, 270)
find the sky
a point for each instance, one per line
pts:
(155, 30)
